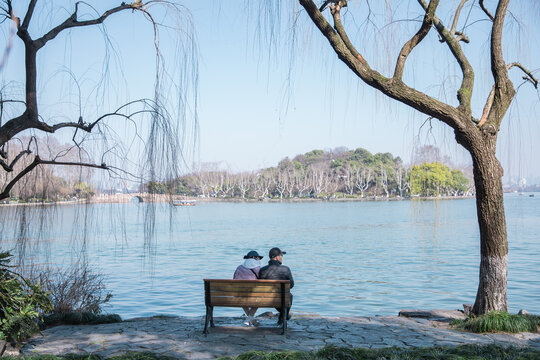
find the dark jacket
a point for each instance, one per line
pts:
(275, 271)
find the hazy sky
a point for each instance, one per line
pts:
(254, 110)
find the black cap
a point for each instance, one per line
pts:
(275, 252)
(253, 254)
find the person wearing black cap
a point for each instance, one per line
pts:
(276, 271)
(249, 270)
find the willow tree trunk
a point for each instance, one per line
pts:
(488, 174)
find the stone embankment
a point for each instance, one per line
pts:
(182, 337)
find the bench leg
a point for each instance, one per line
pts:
(212, 316)
(284, 323)
(206, 320)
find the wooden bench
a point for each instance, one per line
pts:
(246, 293)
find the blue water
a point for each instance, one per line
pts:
(353, 258)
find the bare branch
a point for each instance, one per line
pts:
(393, 88)
(9, 168)
(462, 37)
(486, 10)
(29, 13)
(5, 192)
(529, 77)
(487, 107)
(10, 39)
(416, 39)
(528, 74)
(11, 15)
(102, 166)
(324, 5)
(38, 161)
(498, 65)
(503, 88)
(467, 84)
(16, 125)
(456, 17)
(72, 21)
(336, 14)
(4, 165)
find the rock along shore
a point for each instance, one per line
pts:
(182, 337)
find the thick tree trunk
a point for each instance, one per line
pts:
(488, 174)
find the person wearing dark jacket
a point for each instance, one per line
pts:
(276, 271)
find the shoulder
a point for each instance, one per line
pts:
(264, 267)
(286, 269)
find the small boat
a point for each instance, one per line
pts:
(532, 195)
(184, 202)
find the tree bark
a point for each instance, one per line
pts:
(491, 294)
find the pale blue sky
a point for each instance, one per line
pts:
(244, 122)
(242, 117)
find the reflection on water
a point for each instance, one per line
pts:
(357, 258)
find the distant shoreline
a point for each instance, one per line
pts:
(127, 198)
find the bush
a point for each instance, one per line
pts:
(21, 303)
(500, 321)
(77, 289)
(79, 318)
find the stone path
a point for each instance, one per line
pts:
(182, 337)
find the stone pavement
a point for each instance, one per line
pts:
(182, 337)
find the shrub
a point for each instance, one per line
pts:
(500, 321)
(77, 289)
(78, 318)
(21, 303)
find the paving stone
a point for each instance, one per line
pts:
(182, 337)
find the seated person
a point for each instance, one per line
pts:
(276, 271)
(249, 270)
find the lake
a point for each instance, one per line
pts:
(347, 258)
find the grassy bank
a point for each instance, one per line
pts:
(477, 352)
(499, 321)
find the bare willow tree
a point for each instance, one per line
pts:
(104, 136)
(476, 133)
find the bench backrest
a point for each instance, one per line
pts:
(238, 293)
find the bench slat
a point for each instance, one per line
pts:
(252, 302)
(247, 287)
(246, 294)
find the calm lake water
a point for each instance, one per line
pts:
(354, 258)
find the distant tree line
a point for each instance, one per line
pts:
(326, 174)
(316, 174)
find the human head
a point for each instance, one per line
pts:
(276, 254)
(253, 255)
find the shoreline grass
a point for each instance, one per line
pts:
(499, 321)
